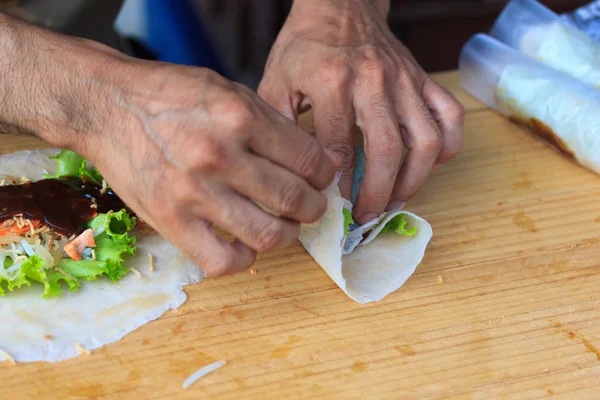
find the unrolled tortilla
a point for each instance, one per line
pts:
(101, 312)
(565, 115)
(373, 268)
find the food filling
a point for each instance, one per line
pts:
(63, 230)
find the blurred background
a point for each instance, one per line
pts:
(234, 36)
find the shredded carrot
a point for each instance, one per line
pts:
(14, 229)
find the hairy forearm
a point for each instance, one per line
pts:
(50, 85)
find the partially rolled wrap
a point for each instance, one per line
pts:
(366, 262)
(558, 108)
(536, 31)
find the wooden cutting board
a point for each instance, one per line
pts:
(505, 304)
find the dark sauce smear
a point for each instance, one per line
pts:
(63, 205)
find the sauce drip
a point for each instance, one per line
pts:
(64, 205)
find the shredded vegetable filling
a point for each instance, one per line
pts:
(34, 252)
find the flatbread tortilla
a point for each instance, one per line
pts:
(366, 270)
(101, 312)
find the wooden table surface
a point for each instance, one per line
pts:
(505, 304)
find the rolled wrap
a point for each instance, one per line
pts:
(536, 31)
(558, 108)
(370, 268)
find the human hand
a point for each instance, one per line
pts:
(192, 149)
(340, 57)
(185, 148)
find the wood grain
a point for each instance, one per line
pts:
(505, 304)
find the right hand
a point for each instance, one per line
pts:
(186, 149)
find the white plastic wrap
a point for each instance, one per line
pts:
(536, 31)
(558, 108)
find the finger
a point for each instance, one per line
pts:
(253, 226)
(276, 94)
(288, 145)
(384, 149)
(449, 115)
(334, 124)
(212, 254)
(423, 140)
(278, 189)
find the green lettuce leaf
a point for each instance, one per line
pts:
(398, 224)
(348, 220)
(113, 243)
(90, 175)
(71, 165)
(30, 269)
(68, 164)
(55, 290)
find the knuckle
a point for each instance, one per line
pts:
(186, 191)
(430, 144)
(335, 74)
(345, 150)
(270, 236)
(291, 200)
(388, 144)
(238, 114)
(210, 156)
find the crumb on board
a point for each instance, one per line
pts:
(82, 350)
(440, 279)
(253, 271)
(202, 372)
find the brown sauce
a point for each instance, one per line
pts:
(64, 205)
(547, 134)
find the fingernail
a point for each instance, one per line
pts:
(395, 206)
(337, 160)
(368, 217)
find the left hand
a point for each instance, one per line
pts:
(340, 57)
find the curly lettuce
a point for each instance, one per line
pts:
(399, 225)
(113, 243)
(72, 165)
